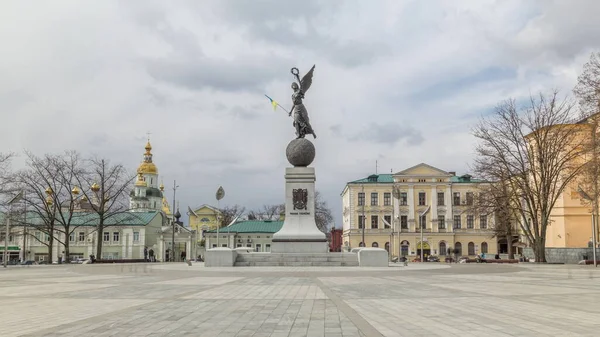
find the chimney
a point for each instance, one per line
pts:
(453, 173)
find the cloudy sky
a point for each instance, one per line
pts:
(398, 82)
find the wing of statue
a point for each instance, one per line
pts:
(307, 80)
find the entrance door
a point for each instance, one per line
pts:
(424, 246)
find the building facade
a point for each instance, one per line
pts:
(254, 234)
(420, 208)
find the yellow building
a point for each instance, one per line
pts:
(571, 217)
(431, 210)
(204, 215)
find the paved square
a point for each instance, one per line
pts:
(418, 300)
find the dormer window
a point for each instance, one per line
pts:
(373, 178)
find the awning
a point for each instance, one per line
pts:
(520, 245)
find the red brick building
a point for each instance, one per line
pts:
(335, 240)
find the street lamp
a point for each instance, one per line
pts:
(175, 186)
(364, 224)
(10, 203)
(587, 197)
(220, 195)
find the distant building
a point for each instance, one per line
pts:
(428, 201)
(254, 234)
(335, 240)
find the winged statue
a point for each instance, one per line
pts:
(301, 121)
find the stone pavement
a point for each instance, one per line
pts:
(418, 300)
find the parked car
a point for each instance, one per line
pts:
(433, 258)
(78, 260)
(28, 263)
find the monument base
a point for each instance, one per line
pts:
(299, 247)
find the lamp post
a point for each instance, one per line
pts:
(219, 195)
(364, 224)
(175, 186)
(10, 203)
(587, 197)
(396, 195)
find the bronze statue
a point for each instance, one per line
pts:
(301, 121)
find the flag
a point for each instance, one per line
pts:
(273, 103)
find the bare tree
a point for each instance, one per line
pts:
(106, 186)
(494, 199)
(5, 173)
(536, 150)
(229, 213)
(587, 91)
(267, 212)
(323, 216)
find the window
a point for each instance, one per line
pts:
(136, 236)
(421, 198)
(239, 245)
(387, 199)
(422, 180)
(106, 236)
(482, 224)
(457, 224)
(441, 222)
(456, 198)
(47, 238)
(404, 222)
(443, 248)
(458, 248)
(38, 236)
(471, 248)
(440, 199)
(224, 245)
(374, 197)
(387, 221)
(423, 221)
(375, 244)
(10, 238)
(403, 199)
(361, 198)
(81, 236)
(267, 247)
(258, 247)
(470, 198)
(116, 236)
(470, 222)
(249, 245)
(71, 237)
(361, 221)
(258, 236)
(484, 248)
(374, 221)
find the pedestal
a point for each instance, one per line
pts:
(299, 233)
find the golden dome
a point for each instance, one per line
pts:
(49, 191)
(84, 199)
(147, 166)
(162, 187)
(95, 187)
(49, 200)
(75, 190)
(140, 181)
(165, 206)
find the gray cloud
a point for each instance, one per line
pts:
(389, 133)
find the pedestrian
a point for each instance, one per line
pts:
(183, 256)
(151, 253)
(145, 254)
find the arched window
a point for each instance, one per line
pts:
(375, 244)
(361, 244)
(484, 247)
(387, 246)
(471, 248)
(404, 245)
(458, 248)
(442, 248)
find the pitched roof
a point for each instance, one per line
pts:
(465, 179)
(92, 219)
(251, 226)
(423, 165)
(374, 179)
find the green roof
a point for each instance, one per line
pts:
(375, 179)
(91, 219)
(251, 226)
(465, 179)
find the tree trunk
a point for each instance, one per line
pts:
(99, 237)
(511, 254)
(540, 250)
(50, 245)
(66, 256)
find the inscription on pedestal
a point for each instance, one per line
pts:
(300, 198)
(299, 213)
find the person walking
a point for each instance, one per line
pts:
(183, 256)
(151, 253)
(146, 254)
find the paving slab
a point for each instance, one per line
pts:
(417, 300)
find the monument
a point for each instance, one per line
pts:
(299, 233)
(299, 242)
